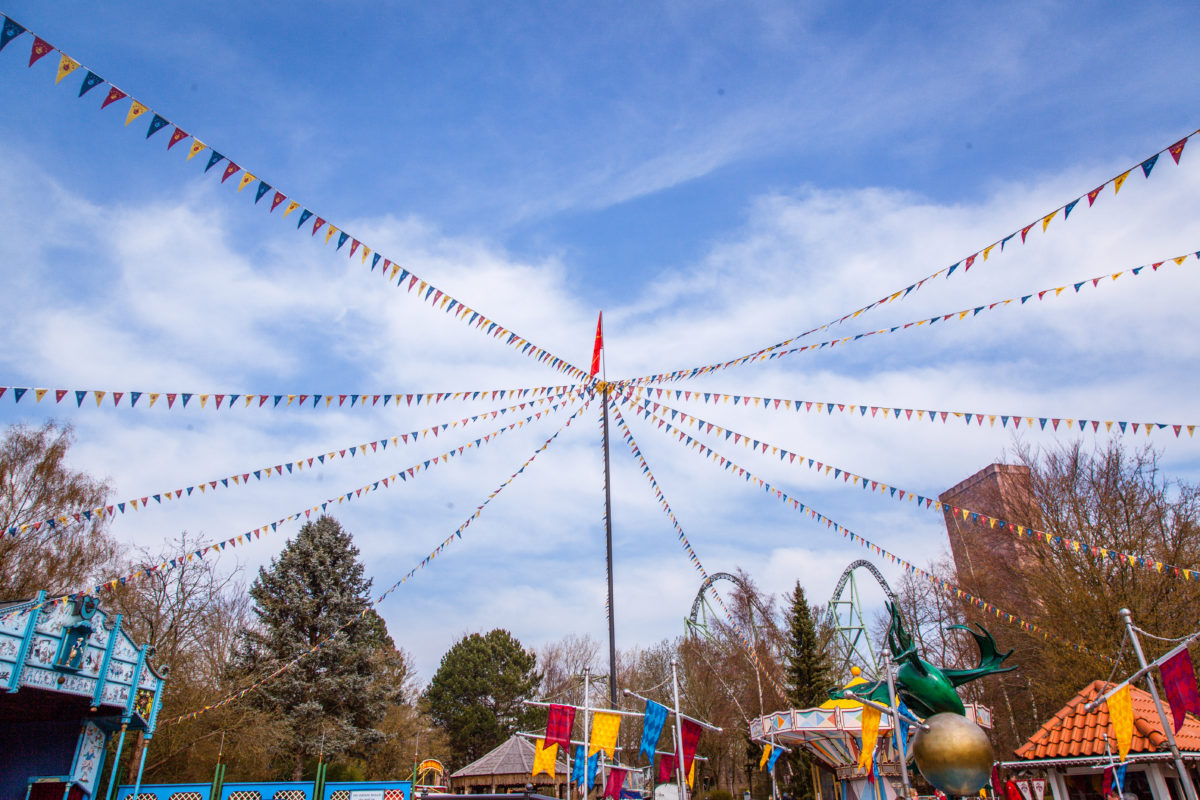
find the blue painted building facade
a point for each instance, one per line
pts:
(70, 678)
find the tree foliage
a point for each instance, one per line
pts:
(315, 593)
(807, 670)
(808, 679)
(477, 694)
(36, 484)
(1109, 498)
(192, 615)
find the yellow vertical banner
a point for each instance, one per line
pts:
(605, 726)
(762, 762)
(1120, 713)
(870, 735)
(544, 758)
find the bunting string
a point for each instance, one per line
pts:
(318, 400)
(426, 292)
(889, 413)
(943, 585)
(898, 494)
(290, 467)
(777, 351)
(402, 476)
(691, 552)
(424, 562)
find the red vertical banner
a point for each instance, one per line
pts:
(598, 346)
(613, 787)
(1179, 679)
(559, 722)
(690, 733)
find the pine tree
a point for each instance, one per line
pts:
(807, 671)
(334, 697)
(477, 694)
(807, 680)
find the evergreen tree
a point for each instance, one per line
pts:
(807, 674)
(333, 698)
(807, 680)
(477, 694)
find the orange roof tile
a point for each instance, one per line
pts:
(1076, 732)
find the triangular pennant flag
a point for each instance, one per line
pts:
(66, 65)
(136, 109)
(156, 125)
(114, 94)
(40, 48)
(90, 81)
(10, 31)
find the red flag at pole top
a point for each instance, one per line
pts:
(598, 347)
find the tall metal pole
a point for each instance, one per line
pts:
(587, 723)
(608, 540)
(897, 721)
(679, 773)
(1184, 778)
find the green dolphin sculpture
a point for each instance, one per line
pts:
(924, 688)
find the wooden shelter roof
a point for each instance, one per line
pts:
(513, 757)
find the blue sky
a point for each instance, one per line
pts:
(716, 177)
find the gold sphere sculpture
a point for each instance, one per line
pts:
(954, 754)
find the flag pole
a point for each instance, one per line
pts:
(608, 539)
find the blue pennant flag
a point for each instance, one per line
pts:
(578, 767)
(652, 726)
(775, 751)
(10, 31)
(593, 764)
(213, 158)
(90, 81)
(902, 727)
(156, 125)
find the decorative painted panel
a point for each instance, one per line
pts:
(90, 757)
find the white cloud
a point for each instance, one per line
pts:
(193, 296)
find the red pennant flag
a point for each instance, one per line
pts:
(41, 47)
(690, 733)
(177, 136)
(612, 788)
(114, 94)
(598, 346)
(1180, 682)
(1176, 150)
(666, 768)
(229, 170)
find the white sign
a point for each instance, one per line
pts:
(368, 794)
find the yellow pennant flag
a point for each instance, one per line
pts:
(1120, 180)
(66, 65)
(870, 735)
(692, 774)
(605, 726)
(766, 754)
(135, 111)
(291, 206)
(1120, 713)
(196, 147)
(246, 180)
(544, 758)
